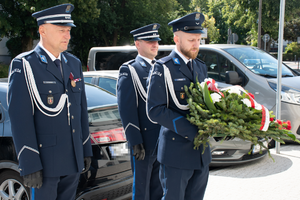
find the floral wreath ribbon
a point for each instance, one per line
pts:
(265, 121)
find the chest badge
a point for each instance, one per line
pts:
(71, 77)
(182, 95)
(50, 99)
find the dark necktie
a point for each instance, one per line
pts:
(57, 63)
(189, 64)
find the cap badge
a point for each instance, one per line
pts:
(197, 17)
(154, 26)
(68, 9)
(197, 23)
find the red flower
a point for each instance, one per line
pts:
(271, 119)
(278, 121)
(288, 125)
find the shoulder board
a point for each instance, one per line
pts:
(197, 59)
(129, 62)
(20, 56)
(164, 59)
(67, 54)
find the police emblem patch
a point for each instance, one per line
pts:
(43, 58)
(197, 16)
(68, 9)
(143, 64)
(182, 95)
(50, 99)
(176, 61)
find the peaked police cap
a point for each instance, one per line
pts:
(57, 15)
(148, 33)
(190, 23)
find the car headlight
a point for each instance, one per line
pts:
(289, 95)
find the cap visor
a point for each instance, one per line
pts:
(194, 31)
(152, 39)
(65, 24)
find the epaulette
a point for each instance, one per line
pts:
(129, 62)
(20, 56)
(65, 53)
(164, 59)
(197, 59)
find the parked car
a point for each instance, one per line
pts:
(229, 64)
(110, 175)
(231, 151)
(105, 79)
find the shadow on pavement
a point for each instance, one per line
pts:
(263, 167)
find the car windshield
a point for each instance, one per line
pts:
(259, 62)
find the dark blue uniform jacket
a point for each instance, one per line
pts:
(48, 143)
(136, 124)
(175, 148)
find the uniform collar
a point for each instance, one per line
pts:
(182, 56)
(146, 59)
(52, 57)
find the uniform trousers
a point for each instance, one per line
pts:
(57, 188)
(146, 184)
(183, 184)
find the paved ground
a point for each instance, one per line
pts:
(292, 64)
(259, 180)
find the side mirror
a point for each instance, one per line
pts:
(232, 77)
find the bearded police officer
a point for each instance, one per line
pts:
(184, 170)
(140, 132)
(48, 110)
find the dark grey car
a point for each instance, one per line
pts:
(110, 175)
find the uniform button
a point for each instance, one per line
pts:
(50, 91)
(70, 104)
(145, 129)
(79, 88)
(182, 88)
(66, 90)
(73, 130)
(173, 138)
(186, 137)
(72, 117)
(41, 145)
(20, 169)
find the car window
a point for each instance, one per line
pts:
(108, 84)
(259, 61)
(218, 65)
(88, 79)
(112, 60)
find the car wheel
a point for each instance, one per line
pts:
(11, 186)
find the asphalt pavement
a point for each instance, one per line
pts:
(293, 64)
(260, 180)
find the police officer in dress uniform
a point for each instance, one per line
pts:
(140, 132)
(184, 170)
(48, 110)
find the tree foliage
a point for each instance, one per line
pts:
(17, 23)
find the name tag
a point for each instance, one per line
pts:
(179, 79)
(49, 82)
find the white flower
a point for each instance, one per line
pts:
(234, 89)
(215, 97)
(202, 84)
